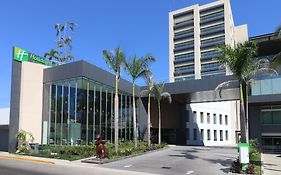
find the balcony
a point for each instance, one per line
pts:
(212, 42)
(184, 70)
(212, 17)
(183, 24)
(208, 56)
(211, 74)
(186, 34)
(210, 67)
(211, 30)
(192, 77)
(266, 86)
(184, 46)
(184, 58)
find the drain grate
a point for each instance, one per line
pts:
(166, 167)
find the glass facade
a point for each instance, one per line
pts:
(271, 117)
(80, 108)
(266, 86)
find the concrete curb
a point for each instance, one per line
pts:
(262, 164)
(103, 161)
(26, 159)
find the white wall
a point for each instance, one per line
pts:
(31, 99)
(241, 33)
(224, 108)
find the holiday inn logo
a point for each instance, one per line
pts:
(20, 54)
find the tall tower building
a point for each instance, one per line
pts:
(194, 34)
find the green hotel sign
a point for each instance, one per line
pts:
(22, 55)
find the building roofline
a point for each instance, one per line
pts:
(263, 36)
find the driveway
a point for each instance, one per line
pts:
(271, 164)
(179, 160)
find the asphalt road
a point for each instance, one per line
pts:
(180, 160)
(22, 167)
(176, 160)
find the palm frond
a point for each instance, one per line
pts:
(108, 57)
(138, 67)
(158, 94)
(167, 95)
(149, 79)
(276, 61)
(114, 59)
(58, 28)
(144, 92)
(278, 31)
(72, 26)
(223, 85)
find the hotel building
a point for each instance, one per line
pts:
(194, 34)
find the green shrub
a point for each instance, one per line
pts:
(24, 139)
(254, 149)
(78, 152)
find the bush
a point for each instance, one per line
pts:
(254, 166)
(24, 139)
(78, 152)
(254, 149)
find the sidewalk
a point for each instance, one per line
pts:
(6, 155)
(271, 164)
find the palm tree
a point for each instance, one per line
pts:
(52, 54)
(244, 65)
(64, 43)
(277, 58)
(158, 94)
(136, 68)
(115, 61)
(148, 91)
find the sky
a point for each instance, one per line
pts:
(139, 27)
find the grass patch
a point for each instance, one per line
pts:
(80, 152)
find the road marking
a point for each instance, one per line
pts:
(190, 172)
(127, 166)
(27, 159)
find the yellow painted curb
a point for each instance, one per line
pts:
(27, 159)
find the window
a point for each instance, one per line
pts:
(221, 135)
(194, 117)
(215, 135)
(271, 117)
(208, 134)
(187, 134)
(220, 118)
(276, 117)
(226, 120)
(194, 134)
(226, 135)
(202, 117)
(208, 118)
(215, 118)
(187, 119)
(202, 134)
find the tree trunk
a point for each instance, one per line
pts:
(242, 115)
(116, 112)
(134, 117)
(247, 114)
(159, 123)
(148, 121)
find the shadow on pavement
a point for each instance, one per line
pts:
(223, 162)
(186, 155)
(272, 169)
